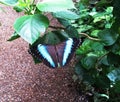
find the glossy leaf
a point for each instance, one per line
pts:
(30, 27)
(67, 14)
(108, 36)
(55, 6)
(89, 62)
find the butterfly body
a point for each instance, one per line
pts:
(56, 55)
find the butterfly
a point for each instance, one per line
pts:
(58, 55)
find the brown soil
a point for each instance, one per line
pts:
(23, 81)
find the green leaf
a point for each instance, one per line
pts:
(55, 37)
(104, 61)
(64, 22)
(116, 8)
(114, 75)
(30, 27)
(108, 37)
(94, 33)
(67, 14)
(102, 81)
(96, 46)
(13, 37)
(71, 30)
(85, 47)
(117, 87)
(9, 2)
(89, 62)
(55, 6)
(113, 59)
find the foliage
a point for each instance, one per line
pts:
(97, 69)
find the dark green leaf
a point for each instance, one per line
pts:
(102, 82)
(116, 9)
(30, 27)
(55, 6)
(96, 46)
(113, 59)
(13, 37)
(73, 33)
(104, 61)
(108, 36)
(18, 9)
(64, 22)
(117, 87)
(66, 15)
(89, 62)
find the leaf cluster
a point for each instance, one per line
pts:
(98, 63)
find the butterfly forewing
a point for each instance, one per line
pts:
(71, 46)
(48, 54)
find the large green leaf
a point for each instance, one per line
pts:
(55, 6)
(67, 14)
(30, 27)
(102, 81)
(89, 61)
(9, 2)
(113, 59)
(108, 36)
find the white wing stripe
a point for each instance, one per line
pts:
(67, 50)
(45, 54)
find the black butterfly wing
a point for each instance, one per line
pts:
(34, 52)
(51, 57)
(56, 55)
(44, 53)
(67, 50)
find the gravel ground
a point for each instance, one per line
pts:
(23, 81)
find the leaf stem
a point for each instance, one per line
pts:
(91, 38)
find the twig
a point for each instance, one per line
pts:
(56, 27)
(91, 38)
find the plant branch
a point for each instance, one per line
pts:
(91, 38)
(56, 27)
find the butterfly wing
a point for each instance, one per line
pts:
(59, 52)
(70, 46)
(56, 55)
(48, 54)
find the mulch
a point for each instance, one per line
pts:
(23, 81)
